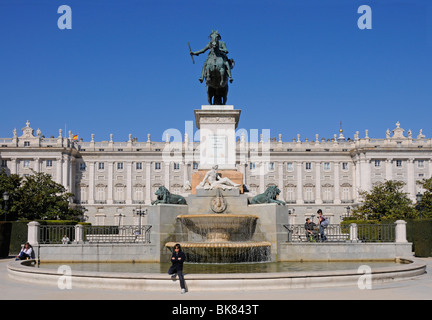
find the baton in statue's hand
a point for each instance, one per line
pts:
(190, 50)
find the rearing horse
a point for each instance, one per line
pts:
(216, 70)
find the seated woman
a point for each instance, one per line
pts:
(310, 230)
(26, 252)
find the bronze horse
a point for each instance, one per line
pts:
(216, 70)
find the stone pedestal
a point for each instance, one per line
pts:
(217, 126)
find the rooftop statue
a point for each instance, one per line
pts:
(216, 70)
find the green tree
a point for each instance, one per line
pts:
(9, 184)
(386, 201)
(426, 203)
(39, 197)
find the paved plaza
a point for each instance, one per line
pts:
(419, 288)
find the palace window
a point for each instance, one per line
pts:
(49, 163)
(176, 166)
(399, 163)
(308, 166)
(119, 165)
(290, 166)
(271, 166)
(326, 166)
(101, 165)
(26, 163)
(346, 194)
(344, 165)
(290, 194)
(139, 194)
(139, 166)
(309, 194)
(328, 196)
(157, 165)
(377, 163)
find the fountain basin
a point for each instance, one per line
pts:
(224, 252)
(221, 227)
(226, 238)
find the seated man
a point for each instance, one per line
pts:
(310, 228)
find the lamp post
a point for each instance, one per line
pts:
(419, 198)
(347, 214)
(140, 212)
(5, 199)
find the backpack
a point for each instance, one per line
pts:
(325, 223)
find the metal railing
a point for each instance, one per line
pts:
(344, 233)
(55, 234)
(333, 232)
(117, 234)
(52, 234)
(376, 232)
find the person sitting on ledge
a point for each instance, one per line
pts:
(310, 228)
(26, 252)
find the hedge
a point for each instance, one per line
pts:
(419, 233)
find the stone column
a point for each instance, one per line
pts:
(354, 180)
(129, 182)
(358, 180)
(14, 166)
(71, 175)
(33, 233)
(318, 198)
(65, 175)
(353, 232)
(185, 173)
(167, 174)
(36, 164)
(262, 170)
(430, 167)
(388, 169)
(299, 183)
(243, 171)
(148, 183)
(411, 179)
(337, 199)
(281, 180)
(110, 182)
(401, 231)
(365, 177)
(91, 182)
(59, 178)
(79, 233)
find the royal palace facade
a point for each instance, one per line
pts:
(113, 180)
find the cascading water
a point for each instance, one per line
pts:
(221, 238)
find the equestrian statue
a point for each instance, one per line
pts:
(216, 70)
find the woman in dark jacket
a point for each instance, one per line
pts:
(177, 259)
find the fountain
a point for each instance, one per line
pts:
(220, 237)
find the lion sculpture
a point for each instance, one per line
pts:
(269, 196)
(164, 196)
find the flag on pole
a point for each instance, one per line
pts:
(75, 137)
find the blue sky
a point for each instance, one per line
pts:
(301, 66)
